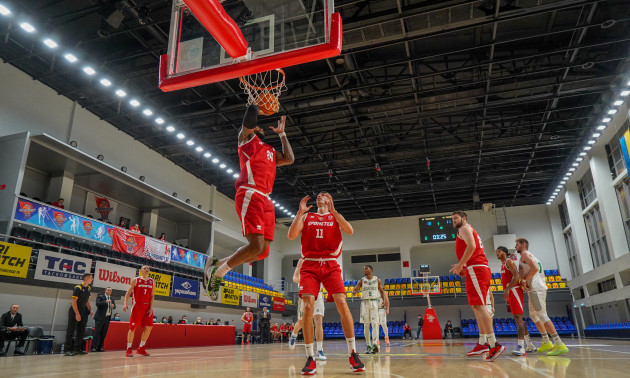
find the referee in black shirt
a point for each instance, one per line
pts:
(77, 316)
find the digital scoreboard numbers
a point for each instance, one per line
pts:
(437, 229)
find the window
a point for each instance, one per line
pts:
(607, 285)
(571, 253)
(362, 259)
(623, 198)
(564, 214)
(596, 237)
(586, 187)
(613, 152)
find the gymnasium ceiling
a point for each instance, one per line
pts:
(458, 102)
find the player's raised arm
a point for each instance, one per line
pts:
(286, 156)
(250, 124)
(343, 223)
(298, 222)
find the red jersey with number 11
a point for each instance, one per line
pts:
(321, 236)
(143, 291)
(478, 257)
(258, 165)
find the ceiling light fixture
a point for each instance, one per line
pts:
(215, 160)
(596, 135)
(207, 155)
(222, 166)
(612, 111)
(170, 128)
(89, 70)
(624, 93)
(601, 127)
(236, 175)
(147, 112)
(190, 142)
(618, 102)
(181, 136)
(4, 10)
(159, 121)
(199, 149)
(71, 58)
(27, 27)
(230, 170)
(134, 103)
(50, 43)
(121, 93)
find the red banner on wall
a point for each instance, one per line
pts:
(278, 304)
(128, 242)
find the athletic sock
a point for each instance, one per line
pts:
(223, 269)
(142, 343)
(128, 345)
(294, 335)
(320, 345)
(521, 343)
(351, 345)
(528, 340)
(556, 339)
(545, 337)
(483, 338)
(309, 350)
(492, 340)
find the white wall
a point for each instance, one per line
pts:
(35, 184)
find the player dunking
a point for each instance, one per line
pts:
(474, 265)
(513, 295)
(142, 289)
(247, 319)
(371, 294)
(321, 246)
(258, 162)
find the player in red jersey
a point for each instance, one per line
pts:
(513, 295)
(321, 246)
(143, 290)
(258, 162)
(247, 319)
(474, 265)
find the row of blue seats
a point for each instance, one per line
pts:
(511, 330)
(398, 323)
(552, 272)
(244, 277)
(337, 332)
(609, 326)
(504, 320)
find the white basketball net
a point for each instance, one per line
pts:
(264, 88)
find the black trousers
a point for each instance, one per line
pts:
(265, 333)
(75, 327)
(407, 333)
(12, 335)
(100, 332)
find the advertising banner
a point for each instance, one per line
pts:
(128, 242)
(53, 266)
(249, 299)
(265, 301)
(203, 295)
(183, 288)
(101, 208)
(278, 304)
(50, 217)
(231, 296)
(111, 275)
(188, 257)
(14, 260)
(162, 283)
(157, 250)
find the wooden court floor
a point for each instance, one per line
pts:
(588, 358)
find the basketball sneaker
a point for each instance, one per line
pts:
(129, 353)
(369, 350)
(310, 368)
(558, 349)
(531, 348)
(355, 363)
(292, 342)
(545, 347)
(387, 341)
(374, 349)
(320, 355)
(520, 351)
(494, 353)
(210, 281)
(141, 351)
(479, 349)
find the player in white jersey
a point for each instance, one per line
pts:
(533, 282)
(318, 318)
(371, 292)
(383, 311)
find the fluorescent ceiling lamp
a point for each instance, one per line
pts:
(89, 70)
(596, 135)
(147, 112)
(230, 170)
(215, 160)
(181, 136)
(121, 93)
(601, 127)
(606, 119)
(591, 141)
(134, 103)
(207, 155)
(4, 10)
(190, 143)
(582, 153)
(170, 128)
(50, 43)
(106, 83)
(159, 121)
(612, 111)
(199, 149)
(70, 58)
(618, 102)
(222, 166)
(235, 175)
(624, 93)
(28, 27)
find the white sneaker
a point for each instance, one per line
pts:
(519, 351)
(531, 348)
(320, 355)
(291, 342)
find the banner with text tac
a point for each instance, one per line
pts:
(101, 208)
(14, 260)
(249, 299)
(162, 283)
(278, 304)
(183, 288)
(265, 301)
(58, 267)
(129, 242)
(203, 295)
(157, 250)
(53, 218)
(111, 275)
(231, 296)
(188, 257)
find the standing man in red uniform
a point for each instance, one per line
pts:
(143, 290)
(321, 246)
(247, 319)
(513, 295)
(258, 162)
(474, 265)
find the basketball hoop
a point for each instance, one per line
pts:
(263, 89)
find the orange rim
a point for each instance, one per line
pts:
(265, 88)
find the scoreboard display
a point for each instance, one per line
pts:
(437, 229)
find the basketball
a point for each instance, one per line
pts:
(268, 103)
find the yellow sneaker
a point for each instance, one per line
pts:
(558, 349)
(546, 347)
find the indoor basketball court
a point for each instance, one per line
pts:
(276, 188)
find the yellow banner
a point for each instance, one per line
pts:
(14, 259)
(162, 284)
(231, 296)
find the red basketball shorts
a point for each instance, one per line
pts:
(477, 284)
(256, 212)
(247, 328)
(139, 317)
(515, 300)
(315, 273)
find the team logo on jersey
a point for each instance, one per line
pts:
(330, 217)
(321, 218)
(26, 208)
(258, 227)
